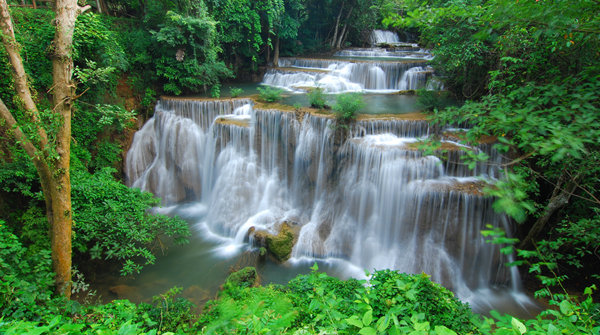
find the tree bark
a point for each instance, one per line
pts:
(343, 34)
(560, 197)
(51, 162)
(276, 53)
(337, 24)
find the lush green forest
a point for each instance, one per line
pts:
(79, 79)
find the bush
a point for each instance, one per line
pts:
(269, 94)
(235, 92)
(430, 100)
(316, 97)
(415, 294)
(346, 107)
(111, 221)
(27, 279)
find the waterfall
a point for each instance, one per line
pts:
(374, 201)
(384, 37)
(407, 52)
(336, 76)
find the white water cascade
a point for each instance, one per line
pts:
(398, 67)
(371, 202)
(384, 37)
(337, 76)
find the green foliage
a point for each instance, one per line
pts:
(168, 313)
(417, 295)
(34, 33)
(27, 279)
(269, 94)
(347, 106)
(111, 221)
(571, 317)
(95, 39)
(235, 92)
(189, 53)
(316, 97)
(432, 100)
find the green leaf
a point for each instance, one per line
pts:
(565, 307)
(368, 331)
(552, 330)
(443, 330)
(354, 321)
(367, 318)
(518, 326)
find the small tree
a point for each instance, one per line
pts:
(48, 144)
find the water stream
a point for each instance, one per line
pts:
(372, 201)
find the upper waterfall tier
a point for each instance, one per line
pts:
(336, 76)
(374, 200)
(385, 37)
(409, 52)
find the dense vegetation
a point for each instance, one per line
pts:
(529, 70)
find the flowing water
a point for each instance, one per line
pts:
(371, 201)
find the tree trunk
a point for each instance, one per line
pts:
(343, 34)
(560, 197)
(51, 162)
(337, 24)
(276, 54)
(268, 51)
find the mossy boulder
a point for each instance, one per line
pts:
(279, 246)
(246, 277)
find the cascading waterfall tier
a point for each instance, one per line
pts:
(336, 76)
(374, 201)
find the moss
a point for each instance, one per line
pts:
(246, 277)
(281, 245)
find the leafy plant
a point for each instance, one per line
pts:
(112, 222)
(347, 106)
(269, 94)
(316, 97)
(27, 279)
(235, 92)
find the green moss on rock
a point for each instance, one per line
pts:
(246, 277)
(279, 246)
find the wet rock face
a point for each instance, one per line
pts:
(279, 246)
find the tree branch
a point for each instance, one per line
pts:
(19, 75)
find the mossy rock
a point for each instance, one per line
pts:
(246, 277)
(279, 246)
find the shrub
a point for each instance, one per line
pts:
(430, 100)
(269, 94)
(111, 221)
(27, 278)
(316, 97)
(235, 92)
(346, 107)
(412, 295)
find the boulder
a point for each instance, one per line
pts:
(246, 277)
(279, 246)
